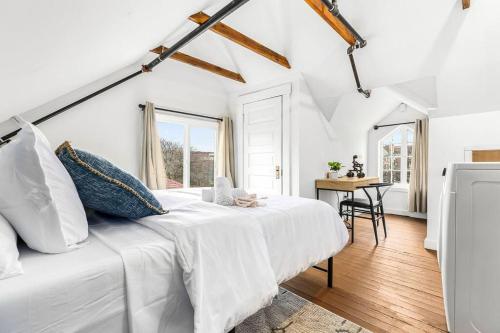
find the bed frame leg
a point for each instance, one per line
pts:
(330, 272)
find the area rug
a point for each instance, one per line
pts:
(290, 313)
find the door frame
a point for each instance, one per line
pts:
(284, 91)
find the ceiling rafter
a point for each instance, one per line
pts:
(190, 60)
(334, 22)
(241, 39)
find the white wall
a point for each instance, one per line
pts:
(353, 118)
(316, 143)
(449, 136)
(468, 79)
(396, 200)
(110, 124)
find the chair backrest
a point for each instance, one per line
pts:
(376, 186)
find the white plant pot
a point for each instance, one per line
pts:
(333, 174)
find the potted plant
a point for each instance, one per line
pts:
(334, 169)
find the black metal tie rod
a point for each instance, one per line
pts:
(217, 17)
(364, 92)
(333, 8)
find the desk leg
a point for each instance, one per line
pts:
(317, 193)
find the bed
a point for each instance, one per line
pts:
(130, 275)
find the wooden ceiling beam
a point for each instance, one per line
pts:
(334, 22)
(187, 59)
(465, 4)
(241, 39)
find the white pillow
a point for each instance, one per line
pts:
(9, 255)
(38, 197)
(222, 192)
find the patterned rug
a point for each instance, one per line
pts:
(290, 313)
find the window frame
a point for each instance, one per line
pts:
(404, 155)
(189, 122)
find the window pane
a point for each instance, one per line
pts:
(202, 156)
(386, 149)
(396, 163)
(396, 177)
(396, 137)
(172, 147)
(387, 177)
(408, 177)
(408, 166)
(410, 150)
(410, 136)
(387, 163)
(397, 150)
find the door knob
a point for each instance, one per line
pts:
(278, 172)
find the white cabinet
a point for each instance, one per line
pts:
(470, 247)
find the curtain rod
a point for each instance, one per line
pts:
(376, 127)
(142, 106)
(214, 19)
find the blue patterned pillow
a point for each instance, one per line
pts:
(105, 187)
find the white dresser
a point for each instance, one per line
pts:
(469, 247)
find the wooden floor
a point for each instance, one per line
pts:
(395, 287)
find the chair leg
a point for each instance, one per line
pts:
(383, 220)
(374, 222)
(378, 214)
(352, 225)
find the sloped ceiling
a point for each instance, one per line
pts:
(52, 47)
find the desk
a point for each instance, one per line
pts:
(347, 185)
(343, 184)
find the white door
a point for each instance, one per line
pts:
(262, 146)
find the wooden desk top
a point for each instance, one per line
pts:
(344, 183)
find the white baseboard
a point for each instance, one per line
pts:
(405, 213)
(430, 244)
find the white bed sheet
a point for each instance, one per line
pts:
(157, 300)
(77, 291)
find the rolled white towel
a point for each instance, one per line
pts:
(222, 192)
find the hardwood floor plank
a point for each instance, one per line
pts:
(395, 287)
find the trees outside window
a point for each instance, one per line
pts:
(189, 148)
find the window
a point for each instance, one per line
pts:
(395, 156)
(188, 147)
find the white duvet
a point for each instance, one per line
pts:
(299, 233)
(230, 260)
(223, 257)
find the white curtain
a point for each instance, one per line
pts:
(419, 176)
(225, 150)
(152, 166)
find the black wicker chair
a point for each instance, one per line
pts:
(375, 208)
